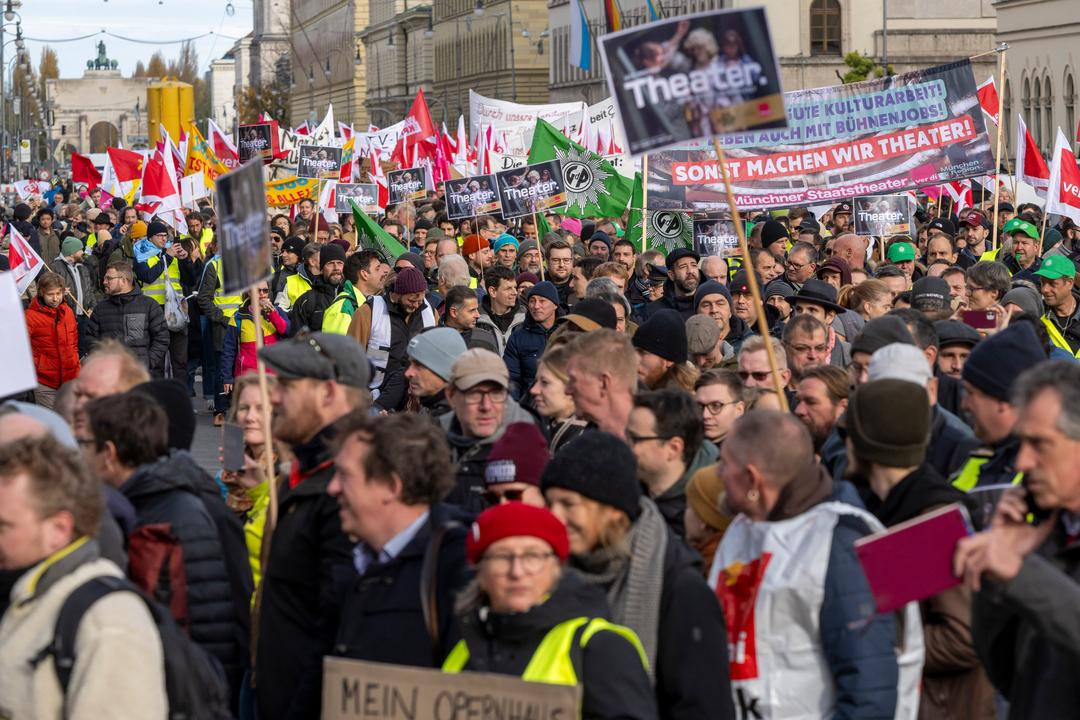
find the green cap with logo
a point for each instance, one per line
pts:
(1022, 226)
(901, 252)
(1056, 266)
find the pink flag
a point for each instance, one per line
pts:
(1030, 166)
(988, 98)
(25, 263)
(1063, 196)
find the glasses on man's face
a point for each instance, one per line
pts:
(475, 396)
(529, 562)
(717, 406)
(792, 265)
(635, 439)
(110, 278)
(560, 261)
(804, 349)
(498, 497)
(758, 375)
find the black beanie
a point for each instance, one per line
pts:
(772, 231)
(664, 335)
(330, 252)
(882, 331)
(598, 466)
(996, 362)
(172, 396)
(888, 422)
(711, 287)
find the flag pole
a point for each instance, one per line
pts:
(539, 244)
(75, 300)
(1000, 131)
(751, 276)
(644, 202)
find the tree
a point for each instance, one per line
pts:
(156, 68)
(48, 67)
(140, 70)
(862, 67)
(271, 99)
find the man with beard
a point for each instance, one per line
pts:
(820, 399)
(560, 266)
(528, 259)
(310, 307)
(682, 283)
(321, 378)
(714, 300)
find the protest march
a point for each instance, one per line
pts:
(713, 400)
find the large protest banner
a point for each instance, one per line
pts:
(353, 689)
(243, 228)
(289, 191)
(511, 124)
(694, 76)
(531, 189)
(471, 196)
(875, 137)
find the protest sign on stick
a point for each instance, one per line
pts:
(883, 215)
(353, 689)
(19, 373)
(319, 161)
(471, 196)
(257, 140)
(694, 76)
(531, 189)
(715, 237)
(408, 184)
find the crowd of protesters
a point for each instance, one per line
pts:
(534, 448)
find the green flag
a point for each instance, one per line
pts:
(637, 207)
(593, 187)
(372, 237)
(670, 229)
(542, 227)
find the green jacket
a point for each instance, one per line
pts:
(338, 316)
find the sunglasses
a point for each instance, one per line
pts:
(494, 497)
(762, 376)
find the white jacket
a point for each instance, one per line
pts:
(119, 670)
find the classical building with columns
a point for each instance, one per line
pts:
(101, 109)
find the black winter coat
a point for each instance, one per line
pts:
(299, 612)
(381, 615)
(684, 305)
(394, 389)
(609, 668)
(135, 320)
(309, 308)
(164, 492)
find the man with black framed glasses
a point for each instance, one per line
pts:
(481, 409)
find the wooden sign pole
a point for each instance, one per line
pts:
(1000, 131)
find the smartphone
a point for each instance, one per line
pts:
(1035, 514)
(233, 447)
(980, 319)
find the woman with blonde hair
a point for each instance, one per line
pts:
(551, 399)
(870, 299)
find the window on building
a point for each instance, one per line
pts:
(1006, 118)
(825, 27)
(1048, 114)
(1069, 97)
(1035, 117)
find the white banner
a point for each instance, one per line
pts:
(512, 124)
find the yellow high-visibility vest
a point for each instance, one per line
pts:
(1056, 337)
(227, 303)
(553, 662)
(295, 286)
(156, 289)
(968, 477)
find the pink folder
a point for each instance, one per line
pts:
(913, 560)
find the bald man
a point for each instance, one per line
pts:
(852, 248)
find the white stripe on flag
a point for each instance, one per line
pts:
(580, 41)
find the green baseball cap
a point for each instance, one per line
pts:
(1056, 266)
(901, 252)
(1017, 225)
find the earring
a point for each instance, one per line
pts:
(752, 495)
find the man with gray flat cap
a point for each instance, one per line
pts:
(321, 378)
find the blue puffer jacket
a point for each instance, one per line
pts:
(522, 354)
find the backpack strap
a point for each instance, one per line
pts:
(62, 647)
(429, 585)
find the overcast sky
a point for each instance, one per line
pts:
(139, 19)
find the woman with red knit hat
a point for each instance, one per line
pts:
(521, 613)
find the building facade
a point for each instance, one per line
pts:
(397, 49)
(221, 81)
(101, 109)
(811, 37)
(269, 40)
(1041, 69)
(499, 48)
(327, 59)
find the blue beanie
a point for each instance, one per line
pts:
(544, 289)
(505, 239)
(996, 362)
(711, 287)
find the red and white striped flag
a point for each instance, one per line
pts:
(25, 263)
(989, 100)
(960, 192)
(1030, 166)
(1063, 196)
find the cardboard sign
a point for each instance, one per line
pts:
(715, 237)
(256, 140)
(408, 184)
(883, 215)
(354, 689)
(365, 195)
(319, 161)
(193, 187)
(531, 189)
(471, 196)
(694, 76)
(243, 228)
(19, 373)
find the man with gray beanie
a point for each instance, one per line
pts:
(988, 376)
(887, 452)
(431, 356)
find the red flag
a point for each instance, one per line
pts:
(376, 174)
(419, 126)
(960, 192)
(223, 146)
(83, 171)
(1030, 166)
(988, 98)
(1063, 197)
(25, 263)
(126, 164)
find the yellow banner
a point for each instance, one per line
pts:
(289, 191)
(201, 158)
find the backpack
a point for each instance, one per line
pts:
(194, 679)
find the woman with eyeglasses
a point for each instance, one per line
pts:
(238, 348)
(523, 615)
(551, 400)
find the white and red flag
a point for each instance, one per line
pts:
(25, 263)
(1063, 194)
(989, 100)
(1030, 165)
